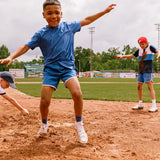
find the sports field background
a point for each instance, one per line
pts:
(110, 89)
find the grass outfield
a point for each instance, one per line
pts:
(88, 80)
(110, 92)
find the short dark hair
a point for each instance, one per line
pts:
(51, 2)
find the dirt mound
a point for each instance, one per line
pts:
(114, 131)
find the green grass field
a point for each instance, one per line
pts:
(110, 91)
(88, 80)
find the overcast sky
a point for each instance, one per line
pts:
(124, 25)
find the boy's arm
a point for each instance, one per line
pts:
(92, 18)
(16, 104)
(158, 52)
(125, 56)
(23, 49)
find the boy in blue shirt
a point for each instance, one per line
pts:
(56, 41)
(145, 73)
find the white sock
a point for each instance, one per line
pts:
(140, 102)
(153, 102)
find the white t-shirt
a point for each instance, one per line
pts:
(2, 91)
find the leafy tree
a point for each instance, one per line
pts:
(101, 61)
(41, 59)
(34, 61)
(16, 64)
(97, 66)
(4, 52)
(82, 59)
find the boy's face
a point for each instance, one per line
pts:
(143, 45)
(53, 15)
(4, 83)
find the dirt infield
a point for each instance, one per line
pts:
(115, 132)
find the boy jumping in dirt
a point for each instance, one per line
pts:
(145, 74)
(56, 41)
(6, 80)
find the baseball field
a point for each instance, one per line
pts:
(115, 131)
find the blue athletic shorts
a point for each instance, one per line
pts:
(54, 72)
(145, 77)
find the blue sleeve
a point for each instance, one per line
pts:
(136, 53)
(34, 42)
(74, 26)
(153, 49)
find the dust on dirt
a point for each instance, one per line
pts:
(114, 131)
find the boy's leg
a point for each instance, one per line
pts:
(140, 85)
(148, 78)
(140, 105)
(75, 90)
(152, 92)
(140, 94)
(46, 94)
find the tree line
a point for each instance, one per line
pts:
(100, 61)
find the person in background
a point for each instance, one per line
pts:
(6, 80)
(145, 73)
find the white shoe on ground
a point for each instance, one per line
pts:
(43, 130)
(81, 132)
(138, 107)
(153, 109)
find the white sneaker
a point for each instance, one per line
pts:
(81, 132)
(137, 107)
(43, 130)
(153, 109)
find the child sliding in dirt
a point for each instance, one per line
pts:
(6, 80)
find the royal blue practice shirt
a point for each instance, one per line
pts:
(57, 43)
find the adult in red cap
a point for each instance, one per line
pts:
(145, 73)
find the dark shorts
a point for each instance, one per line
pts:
(53, 73)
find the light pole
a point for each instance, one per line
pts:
(92, 30)
(158, 29)
(79, 67)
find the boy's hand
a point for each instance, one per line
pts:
(25, 112)
(119, 57)
(6, 60)
(158, 56)
(144, 53)
(109, 8)
(88, 20)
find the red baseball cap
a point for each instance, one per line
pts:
(142, 40)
